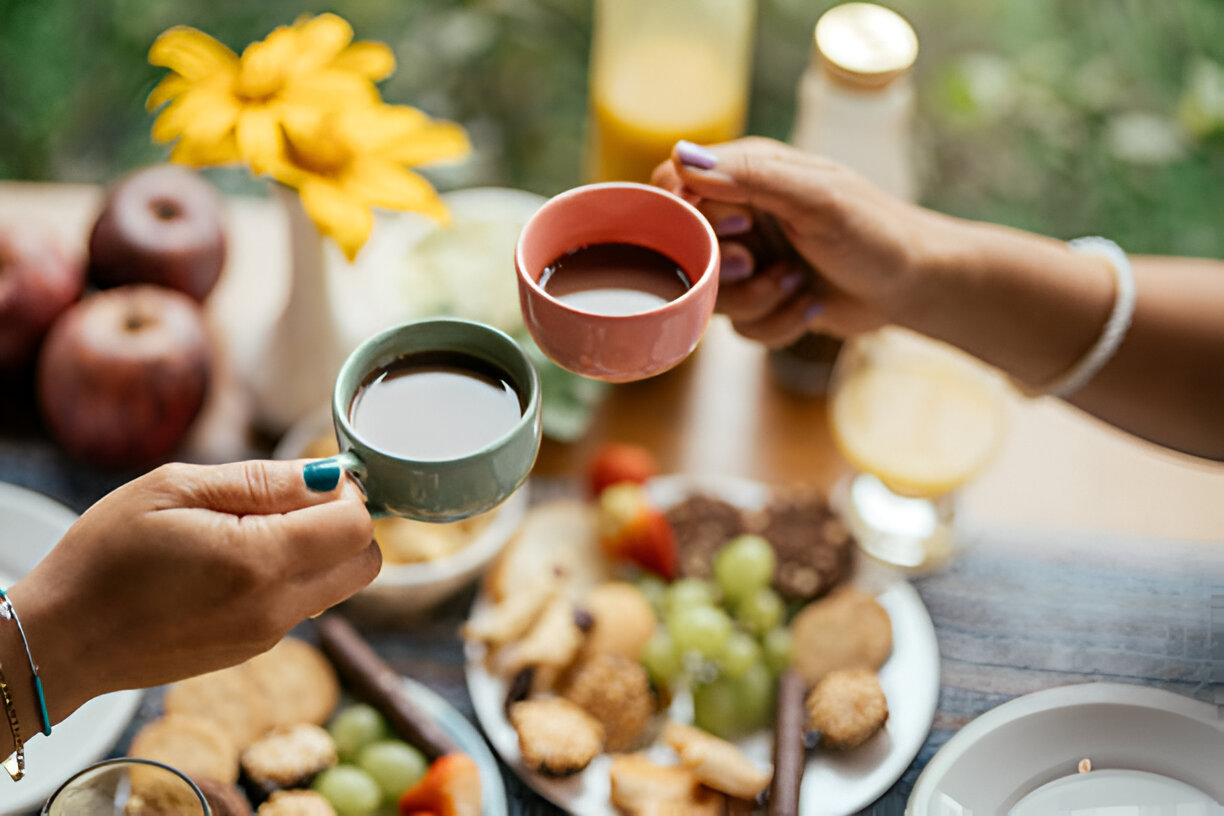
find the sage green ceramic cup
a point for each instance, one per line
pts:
(444, 489)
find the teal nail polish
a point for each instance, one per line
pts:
(322, 475)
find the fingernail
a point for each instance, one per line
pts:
(694, 155)
(790, 282)
(811, 312)
(735, 267)
(322, 476)
(736, 224)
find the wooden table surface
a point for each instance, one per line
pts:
(720, 412)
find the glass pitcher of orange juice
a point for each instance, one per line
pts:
(917, 420)
(661, 71)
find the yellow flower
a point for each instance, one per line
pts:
(222, 108)
(344, 162)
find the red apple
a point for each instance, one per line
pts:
(38, 280)
(163, 225)
(123, 373)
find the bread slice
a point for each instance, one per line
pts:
(558, 542)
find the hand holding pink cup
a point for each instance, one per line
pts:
(616, 347)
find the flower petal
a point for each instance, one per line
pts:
(387, 185)
(331, 89)
(171, 85)
(259, 137)
(372, 60)
(192, 53)
(340, 215)
(202, 113)
(320, 39)
(435, 141)
(196, 154)
(267, 64)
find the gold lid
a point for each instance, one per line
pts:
(865, 45)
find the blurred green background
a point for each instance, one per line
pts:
(1069, 118)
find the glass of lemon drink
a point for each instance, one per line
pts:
(916, 420)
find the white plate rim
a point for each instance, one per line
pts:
(88, 734)
(900, 596)
(1059, 697)
(468, 739)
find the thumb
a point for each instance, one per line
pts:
(761, 173)
(259, 487)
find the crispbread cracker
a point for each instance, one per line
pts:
(195, 746)
(558, 540)
(298, 682)
(231, 697)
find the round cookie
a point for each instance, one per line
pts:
(195, 746)
(847, 629)
(231, 697)
(623, 620)
(298, 682)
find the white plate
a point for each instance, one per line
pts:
(30, 525)
(833, 785)
(468, 740)
(1025, 754)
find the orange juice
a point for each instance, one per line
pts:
(922, 423)
(651, 94)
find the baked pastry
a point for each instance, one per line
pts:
(847, 707)
(813, 546)
(298, 682)
(615, 690)
(556, 737)
(296, 803)
(622, 620)
(703, 524)
(715, 762)
(195, 746)
(557, 541)
(288, 757)
(231, 697)
(642, 787)
(847, 629)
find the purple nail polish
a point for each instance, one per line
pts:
(812, 311)
(791, 282)
(735, 267)
(696, 156)
(736, 224)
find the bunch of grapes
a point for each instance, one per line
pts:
(726, 639)
(374, 767)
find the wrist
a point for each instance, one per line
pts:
(57, 671)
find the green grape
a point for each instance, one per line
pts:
(661, 659)
(356, 726)
(350, 790)
(716, 709)
(654, 590)
(700, 629)
(689, 592)
(779, 646)
(394, 764)
(741, 652)
(744, 565)
(754, 692)
(760, 611)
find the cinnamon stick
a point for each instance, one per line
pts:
(380, 685)
(789, 757)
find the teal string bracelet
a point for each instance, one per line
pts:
(7, 611)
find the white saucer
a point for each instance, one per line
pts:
(31, 525)
(1153, 748)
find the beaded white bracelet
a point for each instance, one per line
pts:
(1115, 327)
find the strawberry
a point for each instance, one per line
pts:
(451, 787)
(633, 530)
(618, 462)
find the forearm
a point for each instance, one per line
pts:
(1033, 308)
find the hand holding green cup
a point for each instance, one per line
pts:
(438, 420)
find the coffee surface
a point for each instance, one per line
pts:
(433, 406)
(614, 279)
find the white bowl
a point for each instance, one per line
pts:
(403, 592)
(32, 524)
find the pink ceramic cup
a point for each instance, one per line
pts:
(618, 348)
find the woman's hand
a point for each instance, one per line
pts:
(807, 244)
(186, 570)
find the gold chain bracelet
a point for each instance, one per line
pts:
(15, 764)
